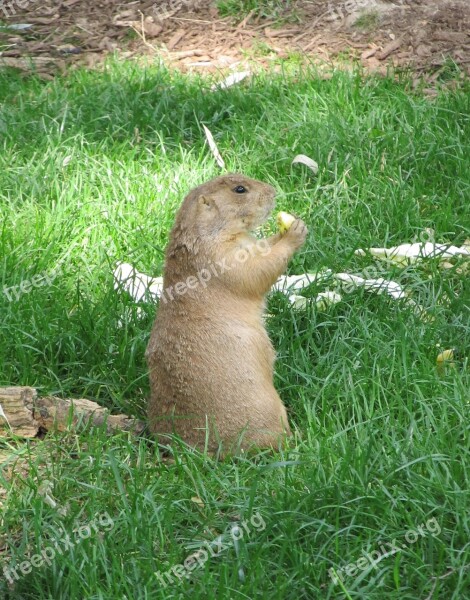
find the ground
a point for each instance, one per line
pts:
(426, 34)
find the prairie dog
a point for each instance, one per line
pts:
(210, 358)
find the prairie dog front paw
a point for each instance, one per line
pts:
(296, 233)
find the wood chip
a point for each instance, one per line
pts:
(176, 38)
(243, 23)
(451, 36)
(34, 63)
(389, 49)
(186, 53)
(200, 64)
(301, 36)
(423, 51)
(311, 43)
(280, 33)
(369, 53)
(43, 20)
(151, 30)
(205, 58)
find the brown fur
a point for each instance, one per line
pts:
(210, 358)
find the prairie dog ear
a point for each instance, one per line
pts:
(205, 202)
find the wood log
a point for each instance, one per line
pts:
(26, 414)
(18, 404)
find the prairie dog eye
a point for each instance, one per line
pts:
(239, 189)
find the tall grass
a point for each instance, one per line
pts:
(93, 166)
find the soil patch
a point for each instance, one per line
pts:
(428, 35)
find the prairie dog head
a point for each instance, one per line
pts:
(231, 204)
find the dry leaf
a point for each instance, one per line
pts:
(45, 490)
(230, 80)
(308, 162)
(213, 147)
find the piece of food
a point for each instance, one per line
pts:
(445, 360)
(284, 221)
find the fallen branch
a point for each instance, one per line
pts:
(26, 414)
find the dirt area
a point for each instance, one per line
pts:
(428, 35)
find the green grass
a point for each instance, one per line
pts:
(367, 20)
(269, 9)
(92, 169)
